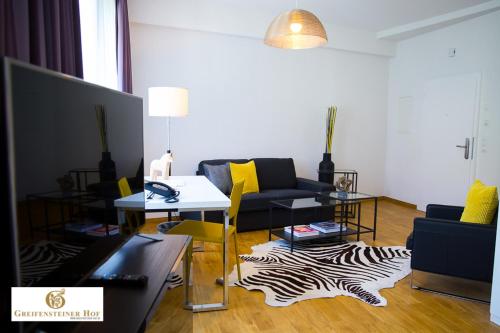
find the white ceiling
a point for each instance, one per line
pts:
(372, 15)
(352, 25)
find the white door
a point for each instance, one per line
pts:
(447, 148)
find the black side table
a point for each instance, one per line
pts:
(85, 172)
(352, 175)
(62, 199)
(355, 199)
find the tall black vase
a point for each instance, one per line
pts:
(326, 169)
(107, 167)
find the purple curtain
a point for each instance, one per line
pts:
(43, 32)
(7, 41)
(123, 58)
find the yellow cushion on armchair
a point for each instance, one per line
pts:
(246, 172)
(481, 204)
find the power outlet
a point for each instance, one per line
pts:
(452, 52)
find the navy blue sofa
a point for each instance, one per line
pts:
(441, 244)
(277, 180)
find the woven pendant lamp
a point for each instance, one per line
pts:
(296, 29)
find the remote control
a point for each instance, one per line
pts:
(123, 280)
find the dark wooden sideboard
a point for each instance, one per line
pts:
(129, 309)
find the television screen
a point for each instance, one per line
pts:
(69, 142)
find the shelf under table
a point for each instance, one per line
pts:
(288, 236)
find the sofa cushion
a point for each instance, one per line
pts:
(245, 172)
(220, 176)
(275, 173)
(255, 201)
(481, 204)
(289, 193)
(201, 170)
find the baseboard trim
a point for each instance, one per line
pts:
(398, 202)
(495, 319)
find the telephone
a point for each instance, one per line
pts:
(162, 189)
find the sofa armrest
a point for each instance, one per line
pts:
(454, 248)
(444, 212)
(313, 185)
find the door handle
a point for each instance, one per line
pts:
(466, 148)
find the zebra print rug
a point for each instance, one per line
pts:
(319, 271)
(39, 259)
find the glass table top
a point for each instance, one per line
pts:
(317, 202)
(345, 171)
(348, 196)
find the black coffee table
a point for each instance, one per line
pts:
(293, 205)
(69, 198)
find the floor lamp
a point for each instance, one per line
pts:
(168, 102)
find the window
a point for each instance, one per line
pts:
(98, 28)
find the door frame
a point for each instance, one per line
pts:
(475, 128)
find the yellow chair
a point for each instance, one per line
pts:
(214, 232)
(125, 191)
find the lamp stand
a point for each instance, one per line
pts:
(169, 151)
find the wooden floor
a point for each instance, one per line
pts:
(408, 310)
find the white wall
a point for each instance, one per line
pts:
(423, 58)
(250, 100)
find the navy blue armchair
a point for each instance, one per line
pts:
(441, 244)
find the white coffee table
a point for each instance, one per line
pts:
(197, 193)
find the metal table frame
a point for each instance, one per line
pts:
(188, 304)
(277, 204)
(122, 206)
(62, 201)
(85, 172)
(357, 202)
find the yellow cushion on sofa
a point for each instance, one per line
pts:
(481, 204)
(248, 173)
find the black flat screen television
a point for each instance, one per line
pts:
(65, 144)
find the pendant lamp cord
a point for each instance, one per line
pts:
(296, 4)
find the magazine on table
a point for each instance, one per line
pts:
(327, 226)
(101, 232)
(302, 231)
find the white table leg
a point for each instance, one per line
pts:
(225, 296)
(186, 269)
(225, 255)
(121, 216)
(201, 246)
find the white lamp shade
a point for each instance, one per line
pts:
(168, 102)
